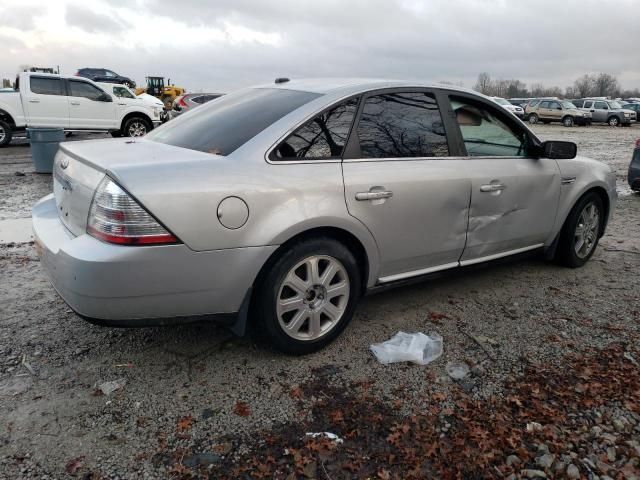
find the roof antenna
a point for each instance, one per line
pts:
(282, 80)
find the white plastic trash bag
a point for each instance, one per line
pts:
(409, 347)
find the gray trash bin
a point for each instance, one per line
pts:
(44, 145)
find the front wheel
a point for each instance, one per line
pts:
(533, 118)
(567, 121)
(5, 133)
(581, 231)
(136, 127)
(614, 121)
(308, 296)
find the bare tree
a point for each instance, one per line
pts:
(484, 84)
(584, 86)
(606, 85)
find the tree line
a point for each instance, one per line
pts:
(588, 85)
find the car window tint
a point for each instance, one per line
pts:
(601, 105)
(555, 105)
(403, 124)
(84, 89)
(486, 131)
(222, 126)
(544, 104)
(533, 103)
(122, 92)
(321, 138)
(587, 104)
(46, 86)
(197, 99)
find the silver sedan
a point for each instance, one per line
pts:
(281, 205)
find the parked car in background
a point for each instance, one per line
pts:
(634, 168)
(518, 111)
(105, 76)
(282, 204)
(125, 96)
(520, 102)
(189, 101)
(562, 111)
(635, 106)
(71, 103)
(606, 111)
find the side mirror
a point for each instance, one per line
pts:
(558, 108)
(105, 97)
(177, 107)
(558, 150)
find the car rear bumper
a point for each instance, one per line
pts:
(121, 285)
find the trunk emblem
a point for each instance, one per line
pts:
(64, 163)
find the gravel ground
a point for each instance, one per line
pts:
(194, 401)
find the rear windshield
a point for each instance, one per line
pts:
(222, 126)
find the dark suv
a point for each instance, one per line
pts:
(104, 75)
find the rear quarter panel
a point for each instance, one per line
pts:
(11, 104)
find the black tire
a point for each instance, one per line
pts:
(566, 254)
(533, 118)
(546, 122)
(5, 133)
(272, 285)
(613, 121)
(567, 121)
(136, 124)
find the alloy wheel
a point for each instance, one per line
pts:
(3, 134)
(137, 129)
(613, 121)
(313, 297)
(533, 118)
(587, 228)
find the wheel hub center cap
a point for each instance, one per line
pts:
(315, 296)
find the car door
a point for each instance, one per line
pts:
(88, 108)
(400, 182)
(45, 102)
(543, 110)
(555, 111)
(514, 197)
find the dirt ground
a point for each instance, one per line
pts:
(553, 392)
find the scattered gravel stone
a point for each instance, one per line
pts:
(513, 460)
(533, 473)
(573, 472)
(546, 460)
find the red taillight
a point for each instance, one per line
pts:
(638, 143)
(117, 218)
(182, 103)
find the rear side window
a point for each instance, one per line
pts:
(544, 104)
(222, 126)
(84, 89)
(486, 131)
(46, 86)
(198, 99)
(400, 125)
(324, 137)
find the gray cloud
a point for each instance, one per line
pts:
(92, 22)
(21, 18)
(534, 40)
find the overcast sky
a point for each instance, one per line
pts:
(219, 45)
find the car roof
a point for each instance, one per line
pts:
(354, 85)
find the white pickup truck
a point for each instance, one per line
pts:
(72, 103)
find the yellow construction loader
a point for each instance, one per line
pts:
(157, 88)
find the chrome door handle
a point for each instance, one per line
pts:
(34, 101)
(492, 187)
(74, 103)
(375, 195)
(121, 103)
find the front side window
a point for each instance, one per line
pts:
(555, 105)
(568, 105)
(486, 132)
(222, 126)
(122, 92)
(544, 104)
(46, 86)
(109, 73)
(324, 137)
(587, 104)
(601, 106)
(84, 89)
(401, 125)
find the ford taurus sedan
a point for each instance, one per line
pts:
(281, 205)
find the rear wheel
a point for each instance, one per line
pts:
(581, 231)
(567, 121)
(136, 127)
(308, 296)
(533, 118)
(613, 121)
(5, 133)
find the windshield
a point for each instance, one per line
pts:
(614, 105)
(568, 105)
(222, 126)
(501, 101)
